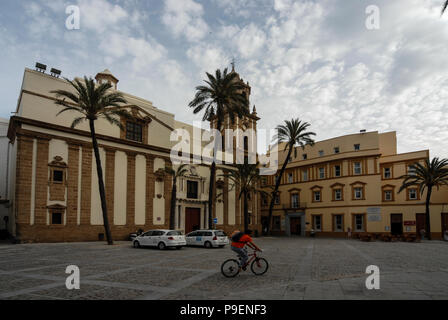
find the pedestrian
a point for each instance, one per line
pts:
(349, 233)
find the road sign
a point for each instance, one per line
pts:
(215, 221)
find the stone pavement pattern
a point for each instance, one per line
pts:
(300, 268)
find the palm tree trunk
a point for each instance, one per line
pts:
(246, 212)
(210, 194)
(212, 181)
(173, 204)
(277, 185)
(99, 170)
(427, 216)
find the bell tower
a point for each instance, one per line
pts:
(247, 126)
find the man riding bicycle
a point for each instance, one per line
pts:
(239, 241)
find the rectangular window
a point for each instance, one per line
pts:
(337, 171)
(192, 189)
(295, 200)
(357, 168)
(358, 193)
(58, 176)
(290, 178)
(56, 218)
(321, 173)
(134, 131)
(359, 222)
(321, 153)
(357, 147)
(336, 149)
(277, 199)
(411, 170)
(264, 200)
(338, 224)
(317, 223)
(304, 175)
(316, 196)
(388, 195)
(387, 173)
(338, 194)
(304, 156)
(412, 194)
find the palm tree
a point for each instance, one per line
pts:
(222, 96)
(445, 5)
(247, 178)
(180, 172)
(94, 102)
(428, 175)
(293, 133)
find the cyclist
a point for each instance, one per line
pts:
(239, 241)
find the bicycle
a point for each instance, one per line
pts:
(230, 268)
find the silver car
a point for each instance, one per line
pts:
(207, 238)
(161, 239)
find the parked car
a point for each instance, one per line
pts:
(161, 239)
(207, 238)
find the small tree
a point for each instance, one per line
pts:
(247, 178)
(93, 102)
(180, 172)
(426, 176)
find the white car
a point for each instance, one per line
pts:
(160, 239)
(207, 238)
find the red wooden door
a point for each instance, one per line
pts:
(295, 226)
(192, 219)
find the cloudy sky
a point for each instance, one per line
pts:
(311, 59)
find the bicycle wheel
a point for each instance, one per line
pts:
(230, 268)
(259, 266)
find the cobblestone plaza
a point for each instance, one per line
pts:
(300, 268)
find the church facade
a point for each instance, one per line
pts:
(53, 183)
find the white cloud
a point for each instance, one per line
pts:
(185, 18)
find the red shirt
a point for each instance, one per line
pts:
(242, 242)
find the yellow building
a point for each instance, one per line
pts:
(351, 183)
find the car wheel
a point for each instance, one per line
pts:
(161, 246)
(208, 244)
(136, 244)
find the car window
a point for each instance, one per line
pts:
(201, 233)
(158, 233)
(192, 234)
(147, 234)
(174, 233)
(220, 233)
(208, 233)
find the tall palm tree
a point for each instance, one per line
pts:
(176, 173)
(426, 176)
(247, 178)
(292, 133)
(445, 5)
(222, 96)
(93, 102)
